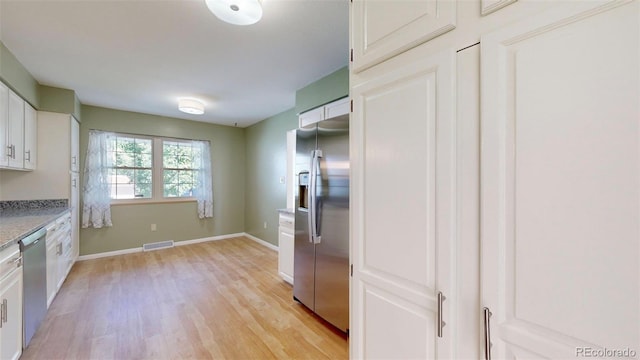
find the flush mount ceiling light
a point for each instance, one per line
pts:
(191, 106)
(237, 12)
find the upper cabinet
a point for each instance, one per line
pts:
(30, 137)
(331, 110)
(17, 132)
(387, 28)
(5, 148)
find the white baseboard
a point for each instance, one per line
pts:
(261, 242)
(213, 238)
(109, 254)
(176, 243)
(286, 277)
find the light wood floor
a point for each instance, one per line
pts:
(220, 300)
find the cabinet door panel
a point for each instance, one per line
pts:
(30, 137)
(75, 145)
(4, 124)
(560, 174)
(11, 331)
(382, 29)
(402, 155)
(16, 130)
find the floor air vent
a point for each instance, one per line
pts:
(157, 245)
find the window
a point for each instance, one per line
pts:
(179, 168)
(130, 176)
(136, 168)
(152, 168)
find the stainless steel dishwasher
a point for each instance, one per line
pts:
(34, 257)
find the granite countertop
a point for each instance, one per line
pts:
(20, 219)
(287, 211)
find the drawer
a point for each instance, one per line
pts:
(10, 259)
(286, 221)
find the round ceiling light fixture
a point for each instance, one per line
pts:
(191, 106)
(237, 12)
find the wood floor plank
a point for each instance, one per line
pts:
(213, 300)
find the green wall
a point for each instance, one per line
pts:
(177, 221)
(331, 87)
(266, 162)
(59, 100)
(13, 74)
(266, 149)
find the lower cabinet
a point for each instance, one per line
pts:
(285, 245)
(60, 257)
(10, 303)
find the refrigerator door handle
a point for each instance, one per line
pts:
(313, 200)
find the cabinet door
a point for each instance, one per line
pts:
(16, 130)
(560, 173)
(4, 125)
(11, 330)
(285, 254)
(336, 108)
(75, 215)
(52, 267)
(383, 29)
(30, 137)
(402, 150)
(75, 145)
(311, 117)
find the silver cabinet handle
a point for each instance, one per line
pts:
(13, 152)
(4, 312)
(17, 261)
(73, 183)
(28, 153)
(441, 323)
(487, 333)
(73, 160)
(9, 150)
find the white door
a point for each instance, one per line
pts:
(560, 173)
(75, 145)
(11, 330)
(30, 137)
(16, 130)
(382, 29)
(402, 148)
(4, 124)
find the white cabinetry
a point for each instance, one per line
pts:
(560, 172)
(328, 111)
(17, 132)
(30, 137)
(58, 136)
(5, 148)
(285, 246)
(10, 303)
(59, 254)
(538, 222)
(383, 29)
(400, 269)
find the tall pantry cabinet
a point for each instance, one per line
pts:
(495, 171)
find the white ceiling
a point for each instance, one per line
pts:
(142, 55)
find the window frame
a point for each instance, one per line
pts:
(157, 172)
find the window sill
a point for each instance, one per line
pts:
(151, 201)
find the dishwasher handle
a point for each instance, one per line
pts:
(32, 239)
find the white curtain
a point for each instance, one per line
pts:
(96, 211)
(204, 192)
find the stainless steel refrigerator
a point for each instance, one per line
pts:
(321, 261)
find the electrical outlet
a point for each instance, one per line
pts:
(153, 227)
(265, 224)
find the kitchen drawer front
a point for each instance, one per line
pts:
(10, 259)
